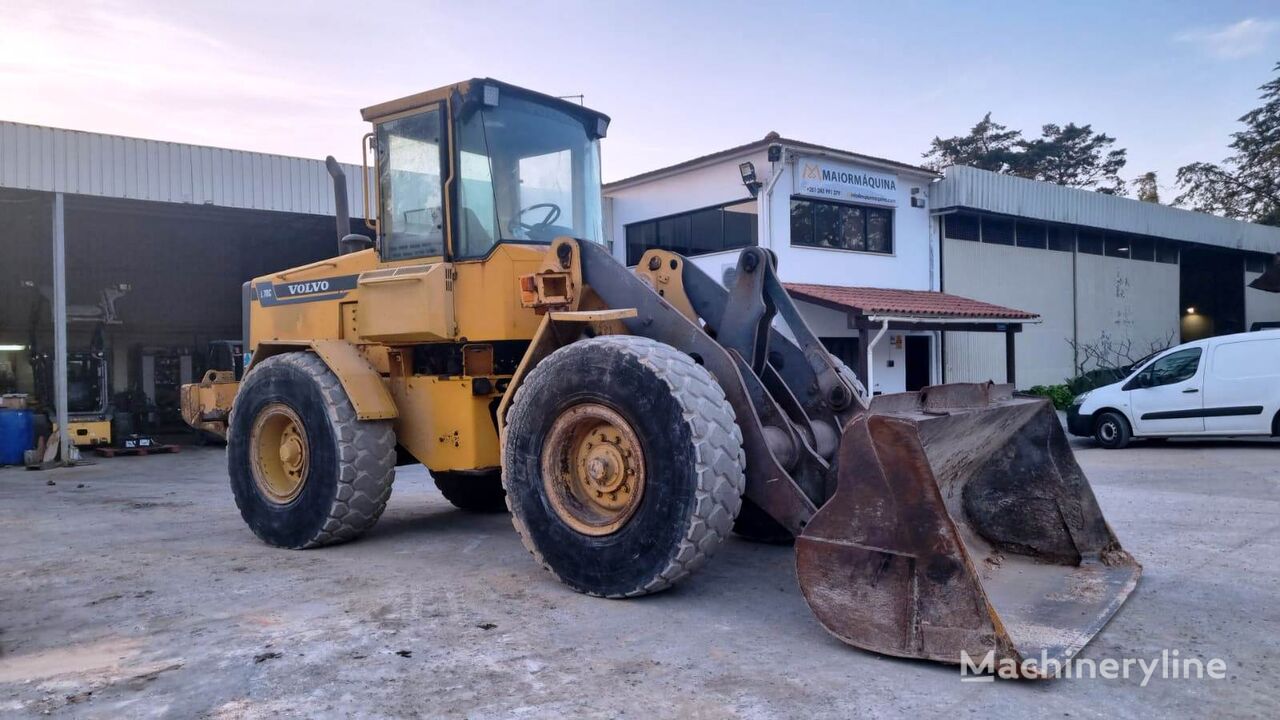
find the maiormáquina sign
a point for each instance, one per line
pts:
(837, 181)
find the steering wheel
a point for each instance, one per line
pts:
(553, 214)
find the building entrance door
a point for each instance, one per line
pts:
(919, 359)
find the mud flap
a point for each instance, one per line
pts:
(961, 522)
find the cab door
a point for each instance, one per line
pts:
(1166, 397)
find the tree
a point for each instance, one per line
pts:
(1246, 185)
(1075, 156)
(1070, 154)
(1147, 189)
(989, 146)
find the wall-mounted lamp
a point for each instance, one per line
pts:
(1191, 310)
(748, 171)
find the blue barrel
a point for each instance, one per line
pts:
(15, 435)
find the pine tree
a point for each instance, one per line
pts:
(1146, 188)
(1246, 185)
(988, 146)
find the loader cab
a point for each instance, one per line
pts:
(464, 168)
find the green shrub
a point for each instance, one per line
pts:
(1061, 395)
(1095, 379)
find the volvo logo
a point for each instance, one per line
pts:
(308, 287)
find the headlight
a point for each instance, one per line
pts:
(1079, 399)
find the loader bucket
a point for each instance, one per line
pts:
(960, 521)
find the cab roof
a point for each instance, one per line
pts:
(374, 113)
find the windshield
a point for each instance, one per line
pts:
(527, 173)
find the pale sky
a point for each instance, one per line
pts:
(681, 79)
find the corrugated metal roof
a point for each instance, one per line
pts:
(33, 157)
(967, 187)
(906, 303)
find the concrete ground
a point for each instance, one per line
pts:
(130, 588)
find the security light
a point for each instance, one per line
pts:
(1191, 310)
(748, 171)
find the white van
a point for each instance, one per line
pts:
(1222, 386)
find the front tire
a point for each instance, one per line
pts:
(623, 465)
(304, 470)
(1111, 431)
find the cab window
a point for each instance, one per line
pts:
(1172, 368)
(412, 209)
(529, 172)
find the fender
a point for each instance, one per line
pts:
(362, 381)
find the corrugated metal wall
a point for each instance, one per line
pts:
(1037, 281)
(1259, 305)
(1124, 299)
(983, 190)
(84, 163)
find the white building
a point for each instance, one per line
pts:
(923, 267)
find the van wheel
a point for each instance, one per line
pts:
(1112, 431)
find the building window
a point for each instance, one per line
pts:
(1089, 242)
(713, 229)
(1030, 235)
(997, 231)
(962, 226)
(815, 223)
(1062, 238)
(1256, 262)
(1141, 248)
(1116, 245)
(1167, 252)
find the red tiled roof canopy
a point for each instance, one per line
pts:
(904, 303)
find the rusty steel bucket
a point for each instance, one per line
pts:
(960, 522)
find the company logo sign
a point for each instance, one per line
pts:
(305, 290)
(844, 182)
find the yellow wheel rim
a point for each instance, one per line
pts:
(280, 455)
(593, 469)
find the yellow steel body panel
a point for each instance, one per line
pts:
(296, 305)
(88, 433)
(486, 294)
(407, 304)
(443, 424)
(361, 380)
(206, 405)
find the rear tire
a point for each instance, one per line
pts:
(479, 492)
(1111, 430)
(658, 429)
(304, 470)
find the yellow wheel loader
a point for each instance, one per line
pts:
(630, 420)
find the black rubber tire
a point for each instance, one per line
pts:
(352, 462)
(693, 454)
(1111, 430)
(479, 492)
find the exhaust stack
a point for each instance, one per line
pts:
(348, 242)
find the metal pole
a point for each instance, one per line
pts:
(60, 326)
(1010, 359)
